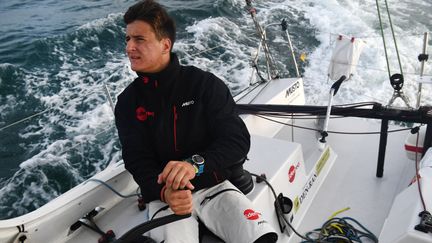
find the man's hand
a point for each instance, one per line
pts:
(177, 175)
(180, 201)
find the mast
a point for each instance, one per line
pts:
(271, 68)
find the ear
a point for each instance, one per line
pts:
(166, 45)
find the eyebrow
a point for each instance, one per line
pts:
(135, 36)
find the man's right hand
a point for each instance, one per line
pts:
(177, 175)
(180, 201)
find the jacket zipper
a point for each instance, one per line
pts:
(175, 128)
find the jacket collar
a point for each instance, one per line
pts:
(164, 78)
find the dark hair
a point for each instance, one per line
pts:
(155, 15)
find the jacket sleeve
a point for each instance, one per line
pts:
(137, 153)
(229, 135)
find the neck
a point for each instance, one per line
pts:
(163, 64)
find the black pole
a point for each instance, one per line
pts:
(423, 115)
(382, 148)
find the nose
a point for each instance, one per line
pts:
(130, 46)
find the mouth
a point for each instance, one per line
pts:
(133, 57)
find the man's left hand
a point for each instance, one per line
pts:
(177, 175)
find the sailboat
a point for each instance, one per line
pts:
(341, 173)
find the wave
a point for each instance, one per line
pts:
(371, 82)
(74, 136)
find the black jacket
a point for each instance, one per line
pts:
(173, 115)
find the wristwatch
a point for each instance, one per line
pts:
(197, 161)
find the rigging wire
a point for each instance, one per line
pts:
(364, 67)
(191, 55)
(394, 38)
(24, 119)
(91, 90)
(334, 132)
(383, 38)
(247, 91)
(201, 52)
(359, 35)
(80, 143)
(39, 113)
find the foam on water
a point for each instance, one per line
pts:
(359, 19)
(76, 137)
(227, 59)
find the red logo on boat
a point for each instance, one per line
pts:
(291, 173)
(142, 114)
(251, 215)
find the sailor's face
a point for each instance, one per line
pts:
(146, 53)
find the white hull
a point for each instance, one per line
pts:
(318, 179)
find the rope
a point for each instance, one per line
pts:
(339, 211)
(394, 38)
(340, 230)
(112, 189)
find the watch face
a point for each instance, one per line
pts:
(198, 159)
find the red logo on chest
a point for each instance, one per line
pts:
(142, 114)
(251, 215)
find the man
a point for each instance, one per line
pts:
(181, 137)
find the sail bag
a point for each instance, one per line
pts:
(345, 57)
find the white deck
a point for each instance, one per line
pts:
(352, 182)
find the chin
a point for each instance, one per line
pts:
(138, 69)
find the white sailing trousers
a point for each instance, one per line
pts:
(224, 210)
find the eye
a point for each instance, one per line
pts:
(127, 38)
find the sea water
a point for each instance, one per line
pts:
(57, 58)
